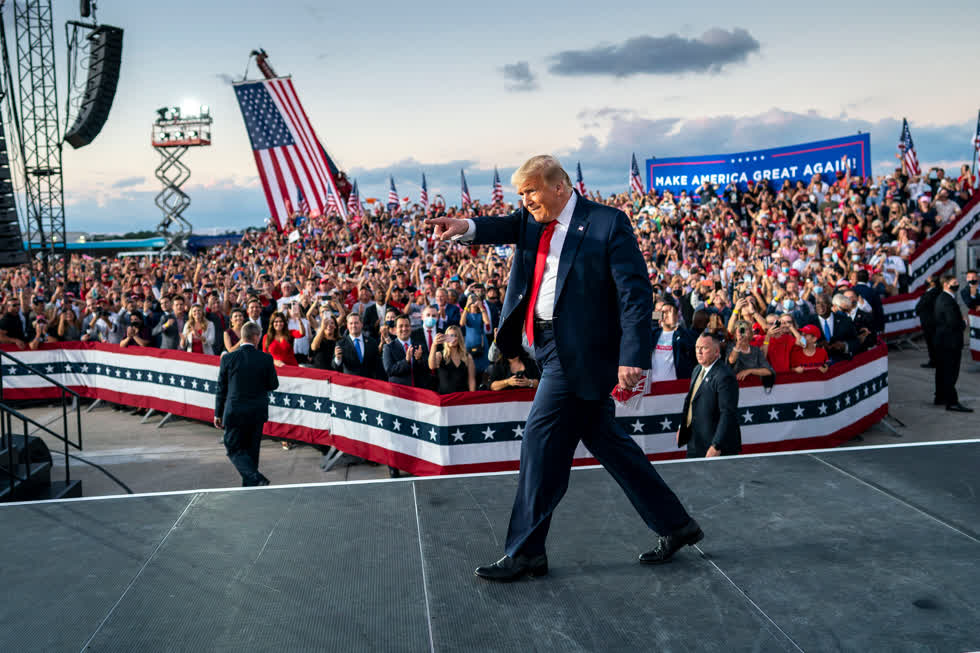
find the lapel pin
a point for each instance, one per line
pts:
(581, 227)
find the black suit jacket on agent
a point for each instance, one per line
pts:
(400, 371)
(714, 420)
(874, 299)
(950, 324)
(370, 368)
(246, 376)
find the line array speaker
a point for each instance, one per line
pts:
(105, 58)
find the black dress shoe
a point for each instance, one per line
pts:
(507, 569)
(668, 545)
(930, 365)
(959, 408)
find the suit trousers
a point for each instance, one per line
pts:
(929, 335)
(947, 372)
(242, 441)
(557, 422)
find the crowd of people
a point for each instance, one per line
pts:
(791, 278)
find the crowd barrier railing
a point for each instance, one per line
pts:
(425, 433)
(934, 255)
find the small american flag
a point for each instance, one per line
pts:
(424, 195)
(304, 206)
(466, 201)
(287, 153)
(393, 202)
(332, 205)
(354, 201)
(636, 182)
(497, 192)
(976, 152)
(579, 182)
(907, 149)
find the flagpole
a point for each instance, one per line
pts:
(976, 147)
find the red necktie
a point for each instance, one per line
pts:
(544, 245)
(428, 336)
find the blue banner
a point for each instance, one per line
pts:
(793, 162)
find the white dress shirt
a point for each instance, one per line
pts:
(545, 306)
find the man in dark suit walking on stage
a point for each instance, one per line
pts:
(246, 376)
(709, 421)
(950, 326)
(571, 255)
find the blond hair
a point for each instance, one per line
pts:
(545, 166)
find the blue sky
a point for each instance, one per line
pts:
(404, 87)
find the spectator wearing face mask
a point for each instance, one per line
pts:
(426, 334)
(743, 357)
(971, 294)
(780, 338)
(950, 326)
(809, 356)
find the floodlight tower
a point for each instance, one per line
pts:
(173, 135)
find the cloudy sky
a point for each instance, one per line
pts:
(398, 88)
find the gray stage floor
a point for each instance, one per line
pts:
(860, 550)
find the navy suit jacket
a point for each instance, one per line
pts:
(874, 299)
(246, 376)
(402, 372)
(603, 297)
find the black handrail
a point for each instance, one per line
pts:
(8, 412)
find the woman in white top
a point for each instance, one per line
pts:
(299, 324)
(198, 334)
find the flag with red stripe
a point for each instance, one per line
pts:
(579, 182)
(636, 181)
(907, 149)
(497, 192)
(976, 153)
(464, 190)
(287, 153)
(424, 196)
(354, 202)
(393, 203)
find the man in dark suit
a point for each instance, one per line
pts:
(872, 297)
(357, 353)
(950, 326)
(572, 254)
(837, 333)
(925, 308)
(709, 421)
(246, 376)
(447, 313)
(403, 361)
(863, 322)
(971, 294)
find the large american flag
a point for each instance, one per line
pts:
(286, 149)
(424, 196)
(579, 182)
(465, 190)
(636, 181)
(393, 203)
(907, 149)
(497, 192)
(354, 201)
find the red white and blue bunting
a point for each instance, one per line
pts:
(974, 318)
(426, 433)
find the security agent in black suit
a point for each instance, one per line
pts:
(925, 308)
(709, 421)
(971, 294)
(246, 376)
(950, 326)
(346, 357)
(405, 366)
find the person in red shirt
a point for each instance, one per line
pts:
(278, 341)
(781, 336)
(809, 357)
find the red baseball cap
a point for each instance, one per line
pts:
(811, 330)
